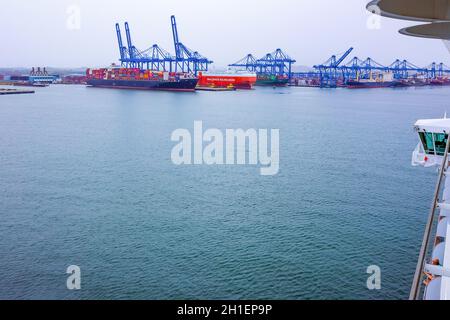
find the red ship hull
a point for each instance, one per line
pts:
(225, 80)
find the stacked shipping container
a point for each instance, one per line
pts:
(133, 74)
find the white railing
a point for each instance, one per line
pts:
(415, 289)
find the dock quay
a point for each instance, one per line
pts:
(14, 91)
(200, 88)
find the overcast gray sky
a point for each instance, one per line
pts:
(45, 33)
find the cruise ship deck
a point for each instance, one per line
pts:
(432, 151)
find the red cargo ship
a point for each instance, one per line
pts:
(227, 80)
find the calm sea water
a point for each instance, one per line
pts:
(86, 179)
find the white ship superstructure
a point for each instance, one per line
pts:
(433, 271)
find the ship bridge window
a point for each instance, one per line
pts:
(434, 143)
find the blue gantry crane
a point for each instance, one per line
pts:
(123, 50)
(334, 69)
(247, 63)
(187, 60)
(329, 72)
(154, 58)
(132, 51)
(277, 63)
(443, 70)
(157, 59)
(361, 69)
(403, 69)
(436, 70)
(160, 59)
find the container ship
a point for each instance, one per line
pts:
(440, 81)
(272, 80)
(234, 80)
(382, 80)
(135, 78)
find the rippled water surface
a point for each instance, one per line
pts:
(86, 179)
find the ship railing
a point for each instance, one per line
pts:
(420, 268)
(437, 270)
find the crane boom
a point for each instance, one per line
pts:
(130, 44)
(175, 37)
(119, 39)
(345, 55)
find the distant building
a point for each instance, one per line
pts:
(42, 79)
(38, 76)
